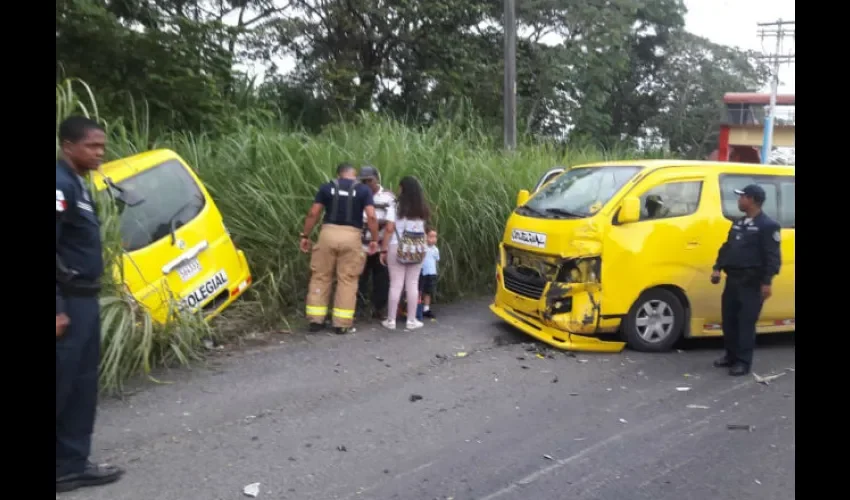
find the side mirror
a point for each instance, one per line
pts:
(629, 210)
(522, 197)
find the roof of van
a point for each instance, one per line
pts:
(725, 165)
(120, 169)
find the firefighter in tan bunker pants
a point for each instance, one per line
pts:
(338, 252)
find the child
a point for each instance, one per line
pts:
(428, 279)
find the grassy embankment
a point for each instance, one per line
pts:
(263, 178)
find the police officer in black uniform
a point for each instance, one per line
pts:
(79, 266)
(750, 257)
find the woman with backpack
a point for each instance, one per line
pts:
(403, 249)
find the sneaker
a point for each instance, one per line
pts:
(316, 327)
(342, 330)
(389, 324)
(414, 324)
(429, 314)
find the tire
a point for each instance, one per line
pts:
(660, 335)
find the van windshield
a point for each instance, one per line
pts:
(579, 192)
(171, 199)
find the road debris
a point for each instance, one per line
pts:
(523, 367)
(697, 407)
(379, 359)
(740, 427)
(548, 457)
(573, 394)
(683, 389)
(766, 379)
(461, 354)
(624, 421)
(555, 380)
(341, 448)
(415, 397)
(251, 490)
(757, 481)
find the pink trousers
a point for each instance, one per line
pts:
(402, 276)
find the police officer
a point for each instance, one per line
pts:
(79, 265)
(338, 250)
(750, 257)
(385, 203)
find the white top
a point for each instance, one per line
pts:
(382, 197)
(415, 225)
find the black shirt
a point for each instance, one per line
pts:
(78, 242)
(752, 245)
(362, 199)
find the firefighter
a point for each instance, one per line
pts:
(338, 250)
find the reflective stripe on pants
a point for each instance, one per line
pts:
(338, 253)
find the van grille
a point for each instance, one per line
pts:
(521, 282)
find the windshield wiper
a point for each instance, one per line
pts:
(532, 210)
(561, 211)
(172, 221)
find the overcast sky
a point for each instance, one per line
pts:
(734, 23)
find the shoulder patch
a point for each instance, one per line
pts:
(776, 236)
(61, 203)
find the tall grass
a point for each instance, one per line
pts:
(263, 178)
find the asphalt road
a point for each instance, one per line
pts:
(323, 417)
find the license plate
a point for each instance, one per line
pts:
(209, 289)
(537, 240)
(189, 270)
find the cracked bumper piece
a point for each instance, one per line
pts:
(552, 336)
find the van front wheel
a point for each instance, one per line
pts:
(655, 321)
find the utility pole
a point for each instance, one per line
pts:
(778, 29)
(509, 91)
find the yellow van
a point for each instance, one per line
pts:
(175, 242)
(613, 254)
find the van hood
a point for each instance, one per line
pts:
(565, 238)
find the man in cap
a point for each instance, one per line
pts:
(750, 257)
(385, 206)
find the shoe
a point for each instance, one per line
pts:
(429, 314)
(93, 475)
(414, 324)
(389, 324)
(316, 327)
(739, 369)
(343, 330)
(723, 362)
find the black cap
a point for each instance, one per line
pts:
(369, 172)
(754, 191)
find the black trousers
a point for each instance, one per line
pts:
(741, 305)
(380, 277)
(77, 359)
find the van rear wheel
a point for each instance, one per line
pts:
(655, 321)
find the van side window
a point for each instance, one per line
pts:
(674, 199)
(779, 190)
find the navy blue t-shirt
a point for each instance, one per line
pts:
(362, 199)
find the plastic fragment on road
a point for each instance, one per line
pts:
(461, 354)
(697, 407)
(766, 379)
(251, 490)
(548, 457)
(624, 421)
(683, 389)
(415, 397)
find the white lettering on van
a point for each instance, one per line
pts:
(206, 290)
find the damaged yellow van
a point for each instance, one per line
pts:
(176, 247)
(613, 254)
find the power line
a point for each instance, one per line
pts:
(779, 30)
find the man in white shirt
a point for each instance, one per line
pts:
(385, 207)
